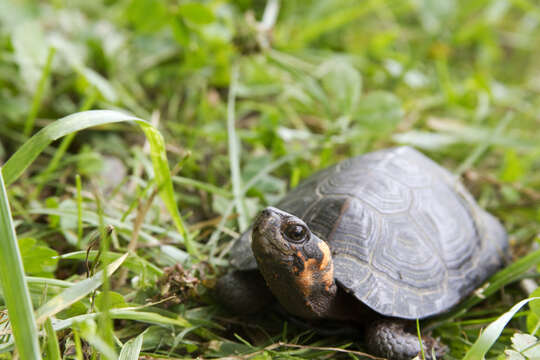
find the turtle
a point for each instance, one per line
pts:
(379, 239)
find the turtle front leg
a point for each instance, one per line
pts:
(391, 339)
(243, 292)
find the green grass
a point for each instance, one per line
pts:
(232, 116)
(14, 288)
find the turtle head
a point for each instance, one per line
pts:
(295, 263)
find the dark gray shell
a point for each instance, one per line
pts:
(407, 238)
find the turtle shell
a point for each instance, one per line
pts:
(407, 239)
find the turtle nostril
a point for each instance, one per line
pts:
(263, 218)
(266, 212)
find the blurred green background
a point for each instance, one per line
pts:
(251, 97)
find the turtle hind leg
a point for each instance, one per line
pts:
(391, 339)
(243, 292)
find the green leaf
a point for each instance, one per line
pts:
(76, 292)
(532, 323)
(15, 289)
(37, 259)
(535, 305)
(513, 167)
(116, 300)
(533, 317)
(147, 15)
(342, 82)
(180, 31)
(76, 309)
(54, 220)
(526, 345)
(488, 337)
(196, 13)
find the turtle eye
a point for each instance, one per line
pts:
(295, 232)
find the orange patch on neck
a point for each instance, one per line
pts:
(304, 280)
(307, 278)
(327, 256)
(326, 266)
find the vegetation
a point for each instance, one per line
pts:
(250, 97)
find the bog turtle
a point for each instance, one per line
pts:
(378, 239)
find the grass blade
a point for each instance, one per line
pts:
(53, 349)
(38, 96)
(89, 331)
(28, 152)
(234, 153)
(132, 348)
(164, 181)
(79, 210)
(125, 314)
(76, 292)
(483, 146)
(16, 295)
(15, 166)
(492, 332)
(104, 322)
(202, 185)
(17, 163)
(420, 339)
(332, 21)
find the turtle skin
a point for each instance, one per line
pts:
(407, 239)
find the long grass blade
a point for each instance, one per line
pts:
(492, 332)
(38, 96)
(330, 22)
(164, 181)
(76, 292)
(234, 153)
(28, 152)
(53, 349)
(15, 289)
(79, 210)
(483, 146)
(202, 185)
(104, 322)
(125, 314)
(17, 163)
